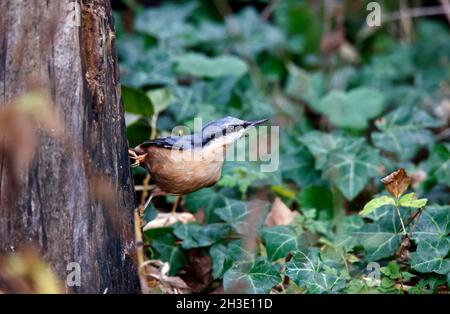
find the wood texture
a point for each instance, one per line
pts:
(75, 201)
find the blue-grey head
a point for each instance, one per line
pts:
(226, 130)
(221, 132)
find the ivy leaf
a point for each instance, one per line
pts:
(404, 131)
(241, 175)
(137, 102)
(194, 235)
(199, 65)
(208, 200)
(351, 168)
(279, 241)
(235, 213)
(381, 238)
(302, 85)
(253, 33)
(218, 254)
(298, 166)
(433, 224)
(410, 200)
(348, 163)
(150, 213)
(376, 203)
(353, 109)
(166, 22)
(392, 270)
(439, 163)
(321, 144)
(318, 197)
(161, 98)
(307, 270)
(345, 228)
(170, 252)
(430, 256)
(225, 256)
(252, 278)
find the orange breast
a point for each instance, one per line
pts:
(177, 172)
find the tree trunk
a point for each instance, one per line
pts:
(74, 200)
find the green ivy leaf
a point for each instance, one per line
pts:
(353, 109)
(307, 270)
(433, 225)
(321, 145)
(235, 213)
(382, 238)
(404, 131)
(252, 278)
(208, 200)
(225, 256)
(253, 34)
(241, 175)
(345, 229)
(302, 85)
(137, 102)
(298, 166)
(279, 241)
(439, 163)
(169, 251)
(430, 256)
(318, 197)
(218, 254)
(376, 203)
(351, 168)
(392, 270)
(167, 22)
(348, 163)
(161, 98)
(410, 200)
(199, 65)
(150, 213)
(194, 235)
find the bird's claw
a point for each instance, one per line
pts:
(138, 158)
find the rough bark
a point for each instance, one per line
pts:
(75, 200)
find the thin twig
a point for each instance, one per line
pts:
(446, 4)
(415, 223)
(144, 188)
(268, 10)
(416, 12)
(378, 283)
(410, 219)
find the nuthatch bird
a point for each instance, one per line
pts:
(184, 164)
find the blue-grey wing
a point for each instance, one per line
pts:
(178, 142)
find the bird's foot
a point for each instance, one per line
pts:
(137, 158)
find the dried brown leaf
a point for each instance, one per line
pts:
(198, 274)
(167, 219)
(397, 182)
(280, 214)
(155, 272)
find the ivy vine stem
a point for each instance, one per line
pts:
(400, 216)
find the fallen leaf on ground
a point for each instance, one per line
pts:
(280, 214)
(198, 274)
(167, 219)
(155, 271)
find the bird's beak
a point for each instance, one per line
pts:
(256, 122)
